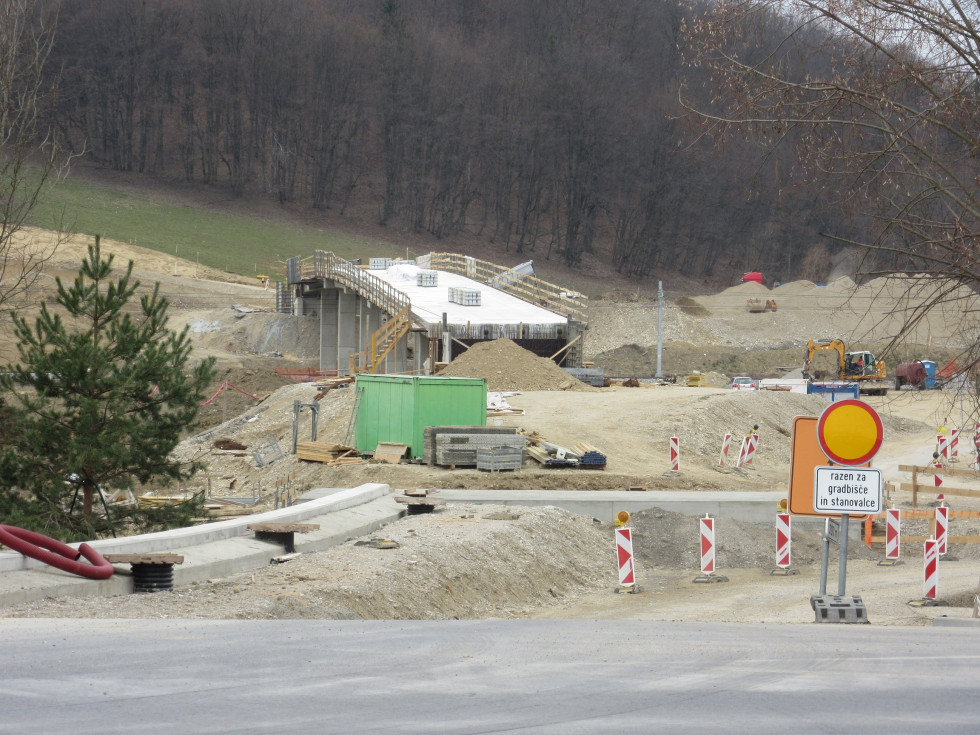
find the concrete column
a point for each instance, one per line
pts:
(328, 330)
(400, 354)
(346, 329)
(420, 351)
(363, 335)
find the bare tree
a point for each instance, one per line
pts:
(29, 151)
(881, 100)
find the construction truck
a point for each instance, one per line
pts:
(859, 367)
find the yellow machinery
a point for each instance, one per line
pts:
(860, 366)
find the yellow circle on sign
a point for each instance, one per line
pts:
(850, 432)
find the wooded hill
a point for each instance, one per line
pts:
(552, 127)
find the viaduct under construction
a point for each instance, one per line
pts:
(403, 316)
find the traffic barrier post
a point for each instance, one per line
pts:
(930, 569)
(725, 443)
(784, 545)
(624, 553)
(942, 528)
(752, 443)
(675, 454)
(741, 453)
(893, 533)
(707, 545)
(707, 536)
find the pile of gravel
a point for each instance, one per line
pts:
(506, 366)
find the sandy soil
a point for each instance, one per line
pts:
(478, 561)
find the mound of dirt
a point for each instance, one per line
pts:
(671, 541)
(691, 307)
(506, 366)
(464, 562)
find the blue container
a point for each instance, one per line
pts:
(930, 366)
(835, 391)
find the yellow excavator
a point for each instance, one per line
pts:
(860, 367)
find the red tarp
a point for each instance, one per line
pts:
(753, 276)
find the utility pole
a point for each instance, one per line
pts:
(660, 329)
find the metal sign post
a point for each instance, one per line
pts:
(849, 434)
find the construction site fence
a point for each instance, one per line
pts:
(929, 515)
(916, 487)
(570, 304)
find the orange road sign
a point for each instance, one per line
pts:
(805, 456)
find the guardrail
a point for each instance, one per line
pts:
(324, 264)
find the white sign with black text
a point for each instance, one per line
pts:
(846, 490)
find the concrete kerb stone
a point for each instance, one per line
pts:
(351, 514)
(179, 538)
(751, 507)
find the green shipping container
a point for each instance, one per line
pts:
(397, 408)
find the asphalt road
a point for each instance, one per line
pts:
(200, 676)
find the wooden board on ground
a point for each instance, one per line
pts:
(283, 527)
(161, 558)
(390, 452)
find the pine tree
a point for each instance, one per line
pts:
(98, 401)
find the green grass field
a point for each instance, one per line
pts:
(235, 243)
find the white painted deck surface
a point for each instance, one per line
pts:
(430, 302)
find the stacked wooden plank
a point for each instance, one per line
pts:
(552, 455)
(332, 455)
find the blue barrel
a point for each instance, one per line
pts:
(930, 366)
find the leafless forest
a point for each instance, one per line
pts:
(551, 127)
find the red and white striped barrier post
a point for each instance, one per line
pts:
(931, 569)
(937, 479)
(741, 452)
(752, 443)
(784, 540)
(954, 441)
(675, 454)
(942, 528)
(725, 443)
(942, 446)
(707, 545)
(624, 553)
(893, 533)
(976, 444)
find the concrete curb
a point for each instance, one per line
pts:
(180, 538)
(213, 550)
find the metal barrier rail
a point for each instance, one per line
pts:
(323, 264)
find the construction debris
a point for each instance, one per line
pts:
(267, 453)
(552, 455)
(325, 386)
(229, 445)
(332, 455)
(757, 306)
(390, 452)
(419, 500)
